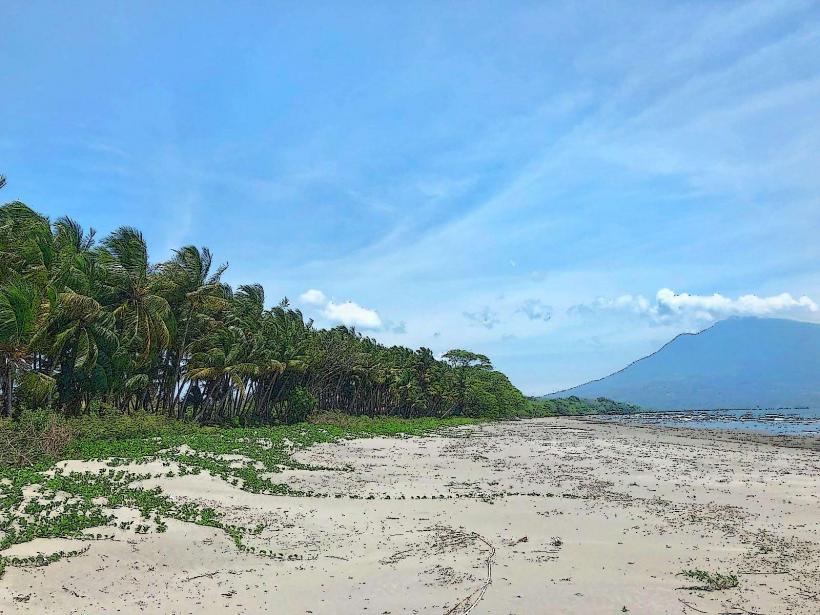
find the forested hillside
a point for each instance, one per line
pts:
(92, 325)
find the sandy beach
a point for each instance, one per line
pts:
(540, 516)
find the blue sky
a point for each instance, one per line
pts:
(563, 186)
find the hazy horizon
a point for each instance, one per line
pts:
(564, 189)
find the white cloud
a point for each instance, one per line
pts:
(347, 313)
(313, 297)
(746, 305)
(352, 315)
(670, 306)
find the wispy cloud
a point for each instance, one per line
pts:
(485, 317)
(535, 309)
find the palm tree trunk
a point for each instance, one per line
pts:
(175, 392)
(8, 382)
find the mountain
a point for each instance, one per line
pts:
(737, 363)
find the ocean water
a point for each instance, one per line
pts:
(779, 421)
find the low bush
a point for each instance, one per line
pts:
(300, 406)
(39, 437)
(337, 418)
(114, 425)
(34, 438)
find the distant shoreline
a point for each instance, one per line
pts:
(742, 436)
(743, 409)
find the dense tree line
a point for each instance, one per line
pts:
(89, 325)
(574, 405)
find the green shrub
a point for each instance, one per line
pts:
(114, 425)
(300, 405)
(336, 418)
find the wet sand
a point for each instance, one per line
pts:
(541, 516)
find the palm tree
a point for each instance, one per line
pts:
(19, 312)
(130, 290)
(68, 257)
(192, 290)
(424, 364)
(77, 327)
(223, 368)
(25, 238)
(282, 352)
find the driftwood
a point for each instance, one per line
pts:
(689, 605)
(465, 605)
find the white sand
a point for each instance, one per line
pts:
(616, 512)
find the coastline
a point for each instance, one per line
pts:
(567, 512)
(800, 441)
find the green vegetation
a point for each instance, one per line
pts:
(95, 327)
(711, 581)
(68, 504)
(36, 561)
(574, 406)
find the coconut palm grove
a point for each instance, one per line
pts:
(93, 325)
